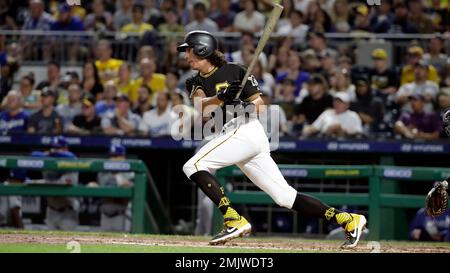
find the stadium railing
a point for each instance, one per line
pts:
(375, 199)
(137, 193)
(126, 45)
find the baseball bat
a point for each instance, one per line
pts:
(270, 25)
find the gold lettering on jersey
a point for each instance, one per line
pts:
(221, 86)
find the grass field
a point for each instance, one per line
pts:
(66, 242)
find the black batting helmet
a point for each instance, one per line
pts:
(446, 122)
(203, 43)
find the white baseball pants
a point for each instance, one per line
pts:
(245, 145)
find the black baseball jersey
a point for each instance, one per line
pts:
(219, 79)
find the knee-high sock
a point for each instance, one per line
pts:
(211, 187)
(312, 206)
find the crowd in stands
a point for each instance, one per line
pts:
(319, 88)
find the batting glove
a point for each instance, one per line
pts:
(230, 93)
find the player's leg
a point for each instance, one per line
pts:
(264, 172)
(225, 150)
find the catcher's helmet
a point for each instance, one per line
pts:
(446, 122)
(203, 43)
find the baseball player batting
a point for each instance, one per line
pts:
(245, 144)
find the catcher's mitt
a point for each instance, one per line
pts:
(436, 201)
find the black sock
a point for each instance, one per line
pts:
(211, 187)
(312, 206)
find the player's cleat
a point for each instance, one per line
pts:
(353, 230)
(232, 228)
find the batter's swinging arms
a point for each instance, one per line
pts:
(244, 145)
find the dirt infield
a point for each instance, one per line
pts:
(270, 244)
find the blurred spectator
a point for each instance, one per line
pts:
(156, 122)
(38, 18)
(172, 80)
(288, 7)
(171, 56)
(13, 119)
(107, 104)
(315, 103)
(445, 75)
(53, 80)
(31, 97)
(302, 5)
(382, 20)
(278, 60)
(107, 66)
(341, 16)
(443, 101)
(145, 51)
(339, 121)
(87, 122)
(439, 14)
(181, 117)
(327, 65)
(249, 19)
(123, 15)
(11, 206)
(73, 107)
(91, 82)
(341, 83)
(382, 79)
(435, 57)
(400, 23)
(66, 21)
(285, 97)
(137, 26)
(415, 54)
(318, 43)
(428, 228)
(150, 9)
(143, 103)
(171, 23)
(311, 63)
(155, 81)
(62, 212)
(318, 19)
(295, 27)
(272, 115)
(361, 21)
(369, 108)
(100, 19)
(201, 20)
(420, 86)
(418, 18)
(266, 81)
(124, 82)
(121, 121)
(224, 16)
(116, 212)
(247, 42)
(294, 73)
(6, 17)
(164, 6)
(46, 120)
(418, 124)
